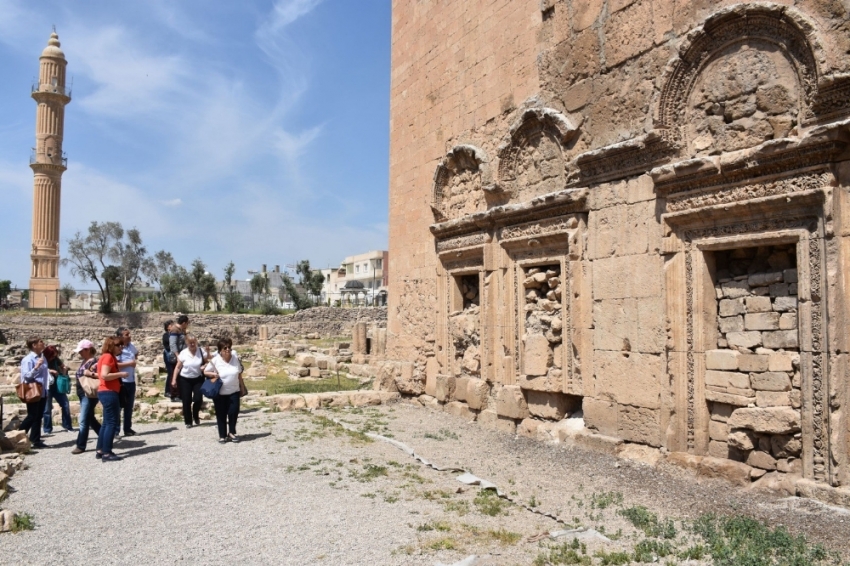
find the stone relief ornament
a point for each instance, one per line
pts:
(459, 183)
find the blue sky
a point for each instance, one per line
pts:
(251, 130)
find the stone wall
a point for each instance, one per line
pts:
(644, 152)
(147, 327)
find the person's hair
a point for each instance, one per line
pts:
(166, 324)
(51, 352)
(182, 318)
(121, 330)
(91, 351)
(32, 341)
(224, 343)
(108, 343)
(190, 338)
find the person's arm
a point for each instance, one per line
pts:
(210, 371)
(177, 369)
(30, 367)
(106, 375)
(130, 364)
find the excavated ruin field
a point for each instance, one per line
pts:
(315, 488)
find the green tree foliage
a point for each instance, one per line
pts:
(5, 289)
(300, 301)
(310, 280)
(203, 283)
(232, 297)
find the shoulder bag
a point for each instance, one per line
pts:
(90, 384)
(29, 392)
(211, 386)
(63, 384)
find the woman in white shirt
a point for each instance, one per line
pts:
(226, 367)
(189, 376)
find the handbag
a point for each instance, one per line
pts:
(63, 384)
(210, 388)
(243, 390)
(29, 392)
(90, 385)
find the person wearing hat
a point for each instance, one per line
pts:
(85, 349)
(34, 370)
(56, 367)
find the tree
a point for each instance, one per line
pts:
(315, 283)
(203, 284)
(67, 292)
(133, 262)
(172, 284)
(310, 280)
(5, 289)
(88, 255)
(259, 284)
(297, 299)
(232, 298)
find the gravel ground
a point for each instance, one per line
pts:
(301, 490)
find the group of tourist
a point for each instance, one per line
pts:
(110, 379)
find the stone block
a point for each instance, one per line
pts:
(511, 403)
(727, 379)
(761, 321)
(721, 412)
(744, 339)
(788, 321)
(779, 290)
(477, 394)
(732, 307)
(721, 359)
(684, 460)
(770, 420)
(764, 279)
(551, 406)
(312, 401)
(459, 409)
(758, 304)
(742, 440)
(638, 424)
(761, 460)
(322, 363)
(789, 466)
(445, 388)
(305, 359)
(600, 415)
(527, 428)
(770, 381)
(718, 431)
(461, 384)
(735, 472)
(789, 275)
(736, 290)
(629, 378)
(773, 399)
(490, 419)
(728, 398)
(753, 362)
(785, 446)
(315, 372)
(598, 442)
(552, 381)
(408, 381)
(365, 398)
(731, 324)
(432, 368)
(796, 398)
(644, 280)
(537, 355)
(785, 304)
(718, 449)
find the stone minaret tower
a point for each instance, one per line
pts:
(48, 162)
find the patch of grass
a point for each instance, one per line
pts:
(650, 550)
(648, 522)
(459, 507)
(532, 502)
(488, 503)
(736, 540)
(432, 495)
(564, 553)
(369, 473)
(613, 558)
(695, 552)
(605, 499)
(504, 537)
(443, 544)
(23, 522)
(440, 526)
(327, 425)
(442, 434)
(368, 495)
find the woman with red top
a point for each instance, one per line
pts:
(107, 394)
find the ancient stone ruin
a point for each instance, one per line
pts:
(628, 219)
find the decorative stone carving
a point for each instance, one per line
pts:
(532, 163)
(458, 242)
(459, 183)
(727, 32)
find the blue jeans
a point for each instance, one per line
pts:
(87, 421)
(128, 392)
(111, 419)
(62, 399)
(226, 413)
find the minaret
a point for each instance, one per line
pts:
(48, 162)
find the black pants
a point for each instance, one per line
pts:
(190, 394)
(226, 411)
(32, 422)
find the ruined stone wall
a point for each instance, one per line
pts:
(599, 174)
(147, 327)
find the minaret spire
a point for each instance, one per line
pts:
(48, 162)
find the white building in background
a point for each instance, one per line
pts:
(360, 279)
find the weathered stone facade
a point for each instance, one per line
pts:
(648, 201)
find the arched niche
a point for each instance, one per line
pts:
(459, 183)
(747, 75)
(532, 161)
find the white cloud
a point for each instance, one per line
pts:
(284, 13)
(172, 202)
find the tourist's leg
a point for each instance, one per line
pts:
(129, 403)
(221, 403)
(48, 412)
(109, 399)
(233, 412)
(86, 408)
(185, 396)
(197, 398)
(65, 407)
(37, 409)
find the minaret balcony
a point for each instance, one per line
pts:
(49, 159)
(47, 88)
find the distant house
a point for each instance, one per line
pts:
(360, 279)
